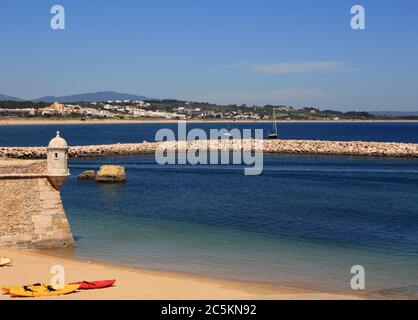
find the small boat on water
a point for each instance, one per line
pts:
(274, 134)
(228, 134)
(87, 285)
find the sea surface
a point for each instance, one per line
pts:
(306, 221)
(35, 135)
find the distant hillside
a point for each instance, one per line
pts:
(395, 113)
(9, 98)
(92, 97)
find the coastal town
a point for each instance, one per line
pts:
(177, 110)
(123, 110)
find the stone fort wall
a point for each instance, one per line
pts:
(31, 210)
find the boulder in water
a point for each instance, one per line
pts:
(87, 175)
(111, 173)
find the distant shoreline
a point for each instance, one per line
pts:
(14, 122)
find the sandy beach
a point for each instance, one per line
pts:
(136, 284)
(15, 122)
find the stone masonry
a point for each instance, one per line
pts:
(31, 211)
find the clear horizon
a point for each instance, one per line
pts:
(295, 53)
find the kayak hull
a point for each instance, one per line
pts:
(41, 291)
(87, 285)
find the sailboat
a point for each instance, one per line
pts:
(228, 134)
(274, 135)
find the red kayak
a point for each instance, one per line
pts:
(87, 285)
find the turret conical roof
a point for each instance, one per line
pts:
(58, 142)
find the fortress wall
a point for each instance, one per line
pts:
(31, 211)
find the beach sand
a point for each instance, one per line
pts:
(135, 284)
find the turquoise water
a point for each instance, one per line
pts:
(306, 221)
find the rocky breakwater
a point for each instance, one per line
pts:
(355, 148)
(352, 148)
(23, 152)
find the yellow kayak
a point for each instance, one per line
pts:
(40, 290)
(5, 262)
(36, 287)
(6, 289)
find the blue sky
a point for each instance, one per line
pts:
(301, 53)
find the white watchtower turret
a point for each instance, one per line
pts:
(57, 161)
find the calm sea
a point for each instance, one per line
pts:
(131, 133)
(307, 220)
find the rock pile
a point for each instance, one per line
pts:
(87, 175)
(110, 173)
(355, 148)
(107, 173)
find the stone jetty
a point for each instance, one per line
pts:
(312, 147)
